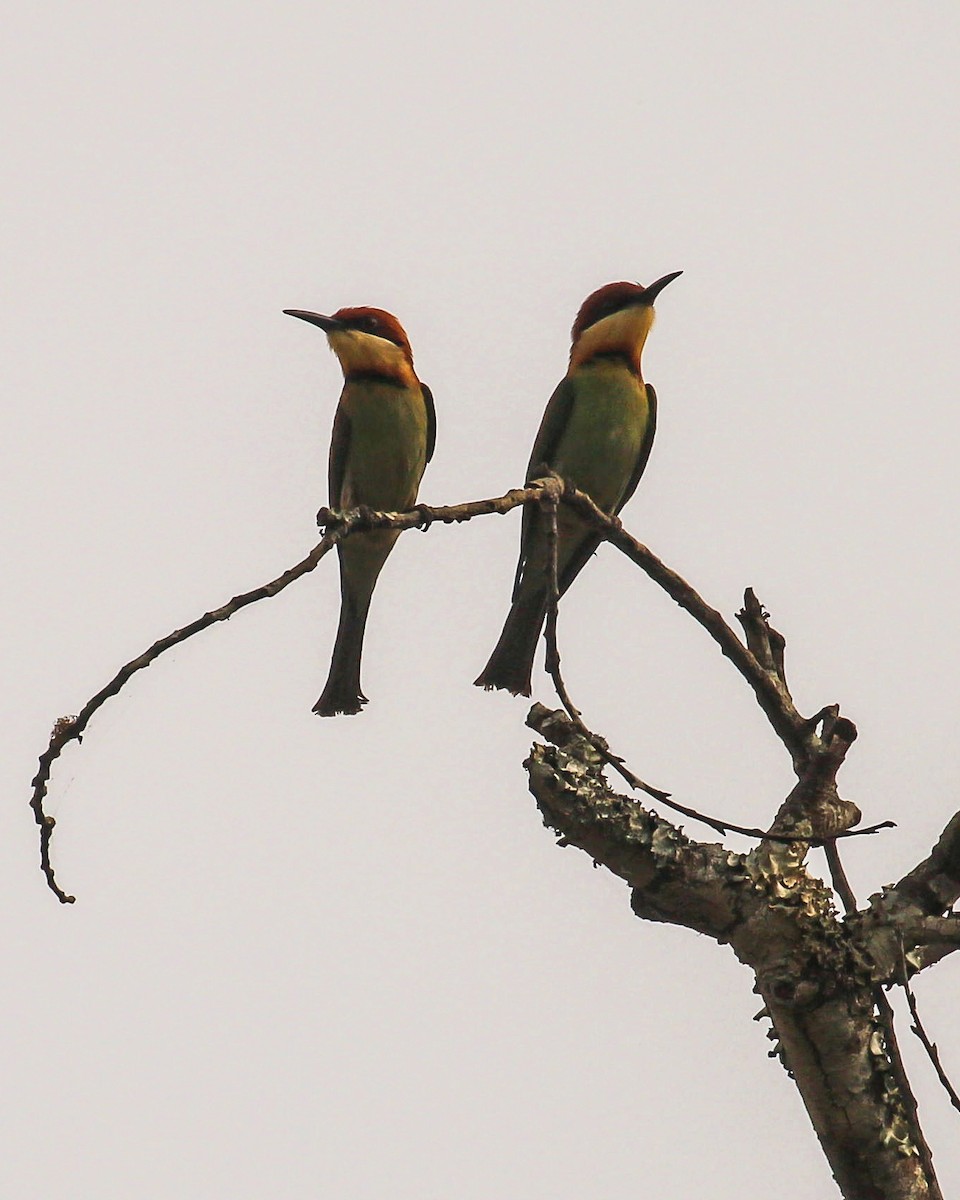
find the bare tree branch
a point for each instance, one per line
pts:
(549, 499)
(927, 940)
(887, 1021)
(768, 682)
(921, 1033)
(841, 885)
(817, 988)
(934, 931)
(341, 525)
(69, 729)
(797, 734)
(886, 1018)
(819, 978)
(933, 885)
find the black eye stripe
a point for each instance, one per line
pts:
(610, 308)
(607, 309)
(376, 325)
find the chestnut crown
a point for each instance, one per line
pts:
(613, 297)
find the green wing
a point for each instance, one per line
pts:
(552, 427)
(339, 449)
(588, 547)
(431, 420)
(645, 448)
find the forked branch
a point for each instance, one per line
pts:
(799, 735)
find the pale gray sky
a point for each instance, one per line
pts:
(342, 958)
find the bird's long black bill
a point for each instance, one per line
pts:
(327, 324)
(653, 291)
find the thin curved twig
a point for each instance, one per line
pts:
(796, 733)
(799, 735)
(917, 1028)
(841, 885)
(68, 729)
(550, 501)
(549, 498)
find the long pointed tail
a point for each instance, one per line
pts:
(361, 560)
(511, 662)
(342, 694)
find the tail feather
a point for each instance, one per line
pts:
(361, 560)
(342, 693)
(511, 663)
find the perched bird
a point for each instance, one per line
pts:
(383, 437)
(596, 433)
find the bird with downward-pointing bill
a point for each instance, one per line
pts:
(383, 437)
(596, 433)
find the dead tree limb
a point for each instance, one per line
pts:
(338, 526)
(814, 974)
(820, 976)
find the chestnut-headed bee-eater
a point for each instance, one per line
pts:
(596, 432)
(383, 437)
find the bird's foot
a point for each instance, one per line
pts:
(426, 517)
(329, 519)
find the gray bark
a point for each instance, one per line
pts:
(819, 974)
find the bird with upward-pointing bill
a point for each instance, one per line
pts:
(383, 437)
(596, 433)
